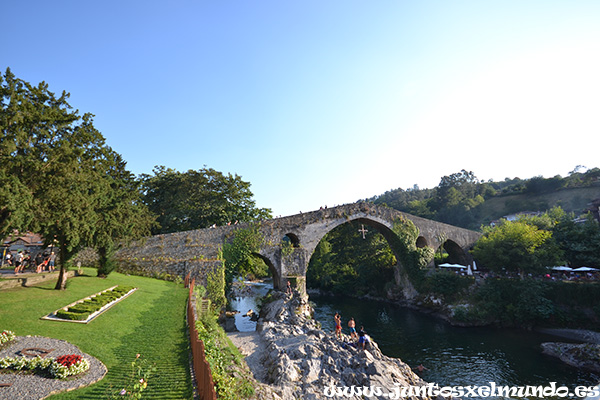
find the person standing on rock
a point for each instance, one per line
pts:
(352, 326)
(338, 325)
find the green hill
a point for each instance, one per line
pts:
(575, 200)
(462, 199)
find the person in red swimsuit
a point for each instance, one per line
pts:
(338, 325)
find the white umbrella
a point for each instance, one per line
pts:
(469, 272)
(584, 269)
(474, 266)
(562, 268)
(446, 265)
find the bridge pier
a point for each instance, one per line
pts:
(293, 268)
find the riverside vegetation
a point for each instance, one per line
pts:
(517, 292)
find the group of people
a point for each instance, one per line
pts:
(42, 261)
(359, 336)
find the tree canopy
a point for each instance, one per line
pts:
(198, 199)
(516, 247)
(63, 181)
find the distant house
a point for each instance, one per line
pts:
(514, 217)
(29, 242)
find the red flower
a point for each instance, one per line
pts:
(68, 360)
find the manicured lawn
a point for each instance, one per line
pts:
(150, 322)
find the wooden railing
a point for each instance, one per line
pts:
(204, 381)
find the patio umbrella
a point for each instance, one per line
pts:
(584, 269)
(446, 265)
(562, 268)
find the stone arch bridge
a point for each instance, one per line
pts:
(198, 251)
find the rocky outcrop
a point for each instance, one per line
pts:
(585, 356)
(301, 361)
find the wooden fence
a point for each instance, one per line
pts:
(204, 381)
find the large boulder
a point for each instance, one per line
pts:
(301, 360)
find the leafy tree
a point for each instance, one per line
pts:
(516, 246)
(122, 215)
(239, 254)
(60, 171)
(545, 221)
(457, 197)
(198, 199)
(539, 184)
(579, 241)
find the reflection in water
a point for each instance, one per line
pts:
(255, 290)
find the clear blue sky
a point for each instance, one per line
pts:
(324, 102)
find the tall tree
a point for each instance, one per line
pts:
(580, 241)
(517, 247)
(121, 214)
(198, 199)
(59, 169)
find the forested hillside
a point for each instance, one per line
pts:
(462, 199)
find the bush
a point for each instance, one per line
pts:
(575, 293)
(447, 284)
(511, 302)
(225, 361)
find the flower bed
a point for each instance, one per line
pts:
(6, 336)
(60, 367)
(86, 309)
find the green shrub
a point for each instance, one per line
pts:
(73, 316)
(513, 302)
(81, 311)
(231, 381)
(447, 284)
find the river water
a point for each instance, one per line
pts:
(453, 356)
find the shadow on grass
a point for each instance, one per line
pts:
(162, 340)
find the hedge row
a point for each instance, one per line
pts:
(81, 311)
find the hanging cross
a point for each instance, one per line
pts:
(363, 230)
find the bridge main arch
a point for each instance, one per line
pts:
(305, 231)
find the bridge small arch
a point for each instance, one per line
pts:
(272, 269)
(292, 238)
(421, 242)
(456, 255)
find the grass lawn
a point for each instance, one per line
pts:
(151, 322)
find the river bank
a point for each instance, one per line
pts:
(297, 359)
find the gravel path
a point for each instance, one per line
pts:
(35, 387)
(251, 346)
